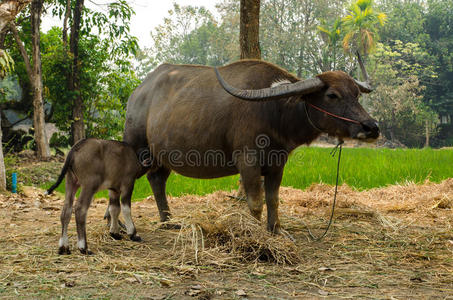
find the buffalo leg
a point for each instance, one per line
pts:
(66, 212)
(126, 195)
(272, 185)
(109, 219)
(114, 211)
(251, 178)
(83, 203)
(158, 181)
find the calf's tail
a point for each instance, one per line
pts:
(66, 166)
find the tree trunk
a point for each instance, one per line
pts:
(65, 23)
(249, 41)
(2, 162)
(43, 150)
(78, 128)
(249, 29)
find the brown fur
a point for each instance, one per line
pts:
(183, 108)
(93, 165)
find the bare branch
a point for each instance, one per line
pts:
(22, 50)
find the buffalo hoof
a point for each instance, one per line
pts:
(116, 236)
(135, 238)
(64, 250)
(109, 222)
(122, 226)
(86, 251)
(274, 229)
(170, 226)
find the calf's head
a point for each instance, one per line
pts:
(329, 101)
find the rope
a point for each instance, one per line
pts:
(332, 153)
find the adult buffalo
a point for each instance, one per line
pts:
(245, 120)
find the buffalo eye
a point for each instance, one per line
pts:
(332, 96)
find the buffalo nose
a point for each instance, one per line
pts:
(371, 129)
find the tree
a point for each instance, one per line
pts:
(8, 12)
(42, 145)
(360, 27)
(400, 72)
(78, 127)
(439, 95)
(191, 35)
(34, 73)
(249, 29)
(333, 35)
(104, 68)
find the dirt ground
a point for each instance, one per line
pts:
(386, 243)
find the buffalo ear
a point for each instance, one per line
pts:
(364, 87)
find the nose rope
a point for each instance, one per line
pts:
(331, 114)
(309, 119)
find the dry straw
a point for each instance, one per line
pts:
(395, 241)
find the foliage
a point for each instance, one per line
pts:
(361, 27)
(400, 72)
(106, 50)
(6, 64)
(289, 34)
(189, 35)
(401, 113)
(105, 87)
(9, 89)
(332, 35)
(428, 24)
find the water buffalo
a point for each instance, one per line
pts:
(245, 120)
(93, 165)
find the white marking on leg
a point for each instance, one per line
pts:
(66, 217)
(64, 241)
(114, 212)
(130, 228)
(81, 244)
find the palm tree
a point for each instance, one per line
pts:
(332, 34)
(360, 28)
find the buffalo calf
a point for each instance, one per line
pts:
(93, 165)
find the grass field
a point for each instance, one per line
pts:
(361, 168)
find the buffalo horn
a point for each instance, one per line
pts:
(272, 93)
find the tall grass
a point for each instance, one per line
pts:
(361, 168)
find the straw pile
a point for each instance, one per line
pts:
(232, 233)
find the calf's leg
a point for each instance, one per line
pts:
(83, 203)
(66, 212)
(114, 211)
